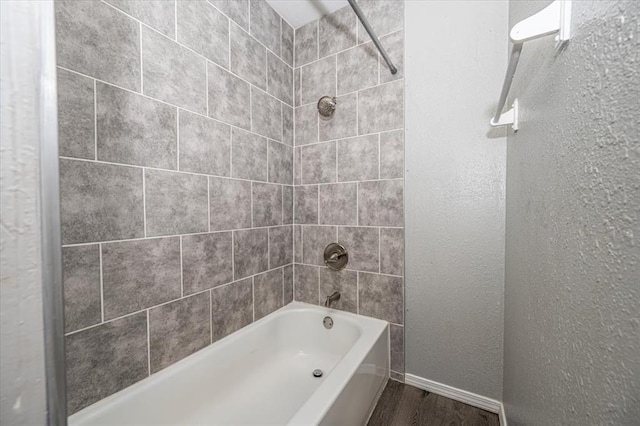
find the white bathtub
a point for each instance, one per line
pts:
(263, 375)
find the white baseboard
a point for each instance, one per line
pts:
(502, 415)
(470, 398)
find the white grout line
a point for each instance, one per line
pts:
(95, 119)
(379, 250)
(101, 285)
(148, 345)
(171, 170)
(175, 21)
(181, 271)
(141, 61)
(176, 106)
(357, 293)
(210, 317)
(206, 84)
(144, 203)
(209, 204)
(379, 157)
(156, 237)
(178, 140)
(171, 301)
(253, 297)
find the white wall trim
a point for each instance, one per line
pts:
(467, 397)
(502, 415)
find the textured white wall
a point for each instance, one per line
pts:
(455, 193)
(572, 296)
(22, 393)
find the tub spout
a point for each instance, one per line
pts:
(333, 297)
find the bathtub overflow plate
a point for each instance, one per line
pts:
(317, 373)
(327, 322)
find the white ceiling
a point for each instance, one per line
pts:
(300, 12)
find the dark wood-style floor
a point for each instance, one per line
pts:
(403, 405)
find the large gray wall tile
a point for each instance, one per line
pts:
(178, 329)
(175, 203)
(172, 73)
(397, 347)
(229, 204)
(306, 124)
(229, 97)
(279, 78)
(394, 42)
(337, 31)
(358, 158)
(266, 114)
(287, 205)
(76, 122)
(318, 80)
(381, 108)
(314, 240)
(249, 155)
(288, 284)
(238, 10)
(392, 154)
(357, 68)
(81, 277)
(363, 245)
(248, 57)
(139, 274)
(100, 202)
(307, 283)
(280, 163)
(345, 282)
(380, 296)
(205, 145)
(132, 129)
(250, 252)
(338, 204)
(287, 43)
(267, 204)
(206, 261)
(231, 308)
(306, 204)
(306, 43)
(265, 24)
(280, 246)
(381, 203)
(384, 15)
(268, 289)
(319, 163)
(392, 251)
(204, 29)
(105, 359)
(159, 14)
(344, 123)
(96, 39)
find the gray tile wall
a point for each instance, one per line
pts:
(349, 170)
(176, 143)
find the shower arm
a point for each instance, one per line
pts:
(372, 34)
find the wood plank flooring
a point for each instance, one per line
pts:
(404, 405)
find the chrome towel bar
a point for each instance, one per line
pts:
(553, 19)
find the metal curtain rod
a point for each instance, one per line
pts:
(372, 34)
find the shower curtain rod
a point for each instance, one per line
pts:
(372, 34)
